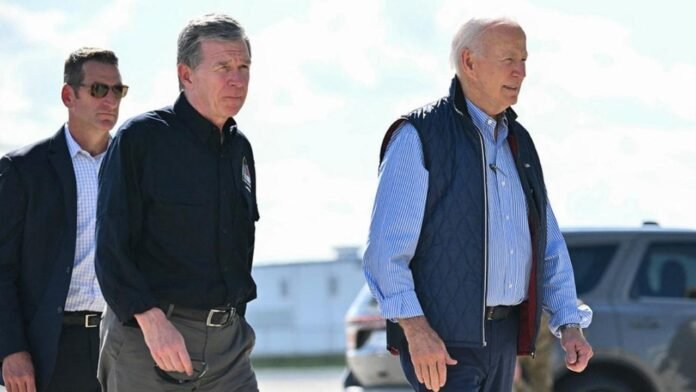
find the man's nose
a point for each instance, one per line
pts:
(236, 78)
(520, 69)
(111, 98)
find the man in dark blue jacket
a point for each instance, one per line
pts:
(464, 250)
(51, 301)
(176, 228)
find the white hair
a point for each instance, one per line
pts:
(469, 37)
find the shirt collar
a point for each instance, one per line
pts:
(483, 121)
(74, 148)
(199, 125)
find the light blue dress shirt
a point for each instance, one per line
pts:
(84, 292)
(397, 217)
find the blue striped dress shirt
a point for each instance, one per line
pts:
(84, 292)
(397, 217)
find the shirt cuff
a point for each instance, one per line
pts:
(401, 305)
(133, 306)
(581, 315)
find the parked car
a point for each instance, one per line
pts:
(641, 285)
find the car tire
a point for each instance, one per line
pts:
(593, 382)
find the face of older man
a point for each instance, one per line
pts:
(217, 87)
(496, 71)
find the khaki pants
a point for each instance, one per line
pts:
(125, 363)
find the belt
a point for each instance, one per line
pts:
(215, 317)
(83, 318)
(499, 312)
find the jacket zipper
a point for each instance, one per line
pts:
(485, 232)
(485, 240)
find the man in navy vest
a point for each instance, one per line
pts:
(464, 250)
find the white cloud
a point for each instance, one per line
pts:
(57, 29)
(297, 58)
(305, 211)
(621, 176)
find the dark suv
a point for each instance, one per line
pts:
(641, 285)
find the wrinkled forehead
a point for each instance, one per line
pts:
(228, 48)
(504, 35)
(503, 30)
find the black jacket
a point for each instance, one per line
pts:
(176, 214)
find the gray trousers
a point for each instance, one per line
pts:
(125, 363)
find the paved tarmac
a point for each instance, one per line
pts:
(325, 379)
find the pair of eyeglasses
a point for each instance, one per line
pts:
(99, 90)
(200, 368)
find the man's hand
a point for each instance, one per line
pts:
(166, 344)
(18, 372)
(578, 350)
(428, 353)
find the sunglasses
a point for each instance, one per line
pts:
(200, 368)
(99, 90)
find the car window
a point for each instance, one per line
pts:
(589, 264)
(667, 271)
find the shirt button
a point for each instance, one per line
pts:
(60, 309)
(67, 270)
(512, 252)
(507, 217)
(510, 286)
(503, 182)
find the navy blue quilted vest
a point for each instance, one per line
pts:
(449, 266)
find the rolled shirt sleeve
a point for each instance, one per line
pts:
(397, 218)
(560, 298)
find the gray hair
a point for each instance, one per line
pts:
(73, 74)
(469, 37)
(211, 26)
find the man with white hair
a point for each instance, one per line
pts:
(464, 250)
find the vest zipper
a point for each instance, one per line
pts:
(485, 239)
(485, 232)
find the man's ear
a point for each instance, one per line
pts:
(68, 96)
(467, 61)
(184, 73)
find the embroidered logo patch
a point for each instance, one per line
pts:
(246, 175)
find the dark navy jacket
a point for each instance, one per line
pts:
(450, 263)
(38, 213)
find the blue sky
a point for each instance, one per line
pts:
(609, 97)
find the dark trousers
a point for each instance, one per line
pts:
(479, 369)
(76, 365)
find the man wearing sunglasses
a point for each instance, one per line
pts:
(175, 233)
(51, 301)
